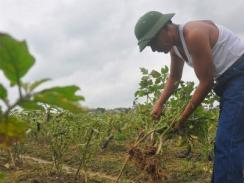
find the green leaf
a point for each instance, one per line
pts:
(144, 83)
(164, 70)
(3, 92)
(30, 105)
(158, 80)
(149, 82)
(155, 74)
(35, 84)
(153, 88)
(144, 71)
(63, 97)
(142, 93)
(67, 92)
(15, 59)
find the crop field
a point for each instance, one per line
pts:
(47, 136)
(92, 147)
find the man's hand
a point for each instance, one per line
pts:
(156, 110)
(179, 126)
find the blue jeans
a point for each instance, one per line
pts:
(229, 142)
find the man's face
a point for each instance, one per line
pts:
(161, 42)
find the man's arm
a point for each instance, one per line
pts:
(176, 69)
(199, 47)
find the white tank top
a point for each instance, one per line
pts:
(225, 52)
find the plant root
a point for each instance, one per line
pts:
(147, 161)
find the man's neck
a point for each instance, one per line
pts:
(176, 36)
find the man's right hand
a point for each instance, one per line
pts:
(156, 110)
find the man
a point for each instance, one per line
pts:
(216, 55)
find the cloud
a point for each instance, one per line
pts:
(92, 44)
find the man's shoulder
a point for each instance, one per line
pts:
(197, 25)
(197, 35)
(194, 29)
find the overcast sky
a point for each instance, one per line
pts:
(91, 43)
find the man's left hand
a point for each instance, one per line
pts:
(179, 126)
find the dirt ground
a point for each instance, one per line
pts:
(36, 166)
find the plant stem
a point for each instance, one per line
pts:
(11, 157)
(6, 113)
(83, 160)
(10, 107)
(19, 88)
(123, 167)
(160, 144)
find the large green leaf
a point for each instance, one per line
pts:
(63, 97)
(15, 59)
(67, 92)
(3, 92)
(30, 105)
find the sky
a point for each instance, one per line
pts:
(91, 43)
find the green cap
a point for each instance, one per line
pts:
(149, 25)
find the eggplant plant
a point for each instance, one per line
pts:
(150, 86)
(15, 62)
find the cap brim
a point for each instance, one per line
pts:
(143, 44)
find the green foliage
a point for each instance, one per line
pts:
(155, 74)
(144, 71)
(151, 84)
(83, 133)
(59, 134)
(15, 62)
(198, 124)
(15, 59)
(54, 117)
